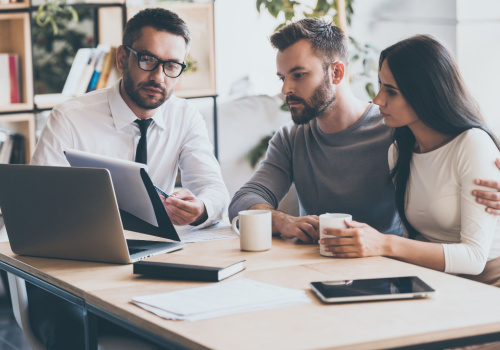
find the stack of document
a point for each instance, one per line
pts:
(190, 234)
(220, 299)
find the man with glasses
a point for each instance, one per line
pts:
(137, 119)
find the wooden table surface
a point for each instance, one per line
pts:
(461, 308)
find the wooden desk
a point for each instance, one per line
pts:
(463, 312)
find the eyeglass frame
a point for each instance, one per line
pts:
(139, 55)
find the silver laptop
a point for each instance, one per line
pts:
(69, 213)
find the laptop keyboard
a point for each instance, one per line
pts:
(132, 251)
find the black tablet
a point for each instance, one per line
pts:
(345, 291)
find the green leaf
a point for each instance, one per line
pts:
(74, 14)
(279, 27)
(289, 16)
(370, 90)
(54, 26)
(284, 107)
(259, 150)
(259, 4)
(322, 6)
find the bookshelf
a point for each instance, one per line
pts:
(15, 38)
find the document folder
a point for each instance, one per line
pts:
(141, 209)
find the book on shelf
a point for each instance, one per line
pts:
(10, 83)
(101, 56)
(76, 71)
(14, 78)
(12, 148)
(6, 146)
(108, 65)
(87, 70)
(211, 272)
(18, 152)
(4, 79)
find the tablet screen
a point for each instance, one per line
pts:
(371, 289)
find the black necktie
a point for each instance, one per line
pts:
(141, 155)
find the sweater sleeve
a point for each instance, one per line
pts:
(272, 180)
(474, 159)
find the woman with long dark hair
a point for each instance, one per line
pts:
(441, 145)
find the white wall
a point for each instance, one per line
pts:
(242, 46)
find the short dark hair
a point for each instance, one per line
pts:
(160, 19)
(328, 41)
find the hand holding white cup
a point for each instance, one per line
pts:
(255, 230)
(331, 221)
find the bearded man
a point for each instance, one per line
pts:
(334, 150)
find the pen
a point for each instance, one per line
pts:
(161, 192)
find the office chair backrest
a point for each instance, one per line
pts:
(19, 299)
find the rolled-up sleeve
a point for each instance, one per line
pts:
(478, 228)
(201, 172)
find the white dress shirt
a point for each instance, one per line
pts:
(101, 122)
(440, 204)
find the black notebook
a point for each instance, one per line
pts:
(176, 271)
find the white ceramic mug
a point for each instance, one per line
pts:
(331, 221)
(255, 230)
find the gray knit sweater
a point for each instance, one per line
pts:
(345, 172)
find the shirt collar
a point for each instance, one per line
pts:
(123, 115)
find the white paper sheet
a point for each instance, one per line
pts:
(221, 230)
(220, 299)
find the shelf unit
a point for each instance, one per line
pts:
(15, 37)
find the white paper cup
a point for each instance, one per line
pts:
(255, 230)
(331, 221)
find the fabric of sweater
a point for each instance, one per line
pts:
(344, 172)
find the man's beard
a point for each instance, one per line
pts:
(322, 98)
(132, 91)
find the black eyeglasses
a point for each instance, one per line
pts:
(149, 63)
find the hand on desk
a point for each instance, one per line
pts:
(305, 228)
(184, 208)
(490, 199)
